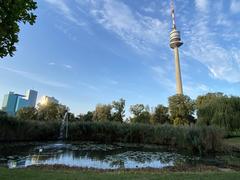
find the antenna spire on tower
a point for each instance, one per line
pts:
(173, 15)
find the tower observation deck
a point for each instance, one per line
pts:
(175, 43)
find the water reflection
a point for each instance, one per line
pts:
(89, 155)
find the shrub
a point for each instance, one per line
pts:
(195, 139)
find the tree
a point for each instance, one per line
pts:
(119, 112)
(13, 12)
(102, 113)
(160, 115)
(140, 113)
(51, 111)
(71, 117)
(204, 105)
(181, 109)
(137, 109)
(3, 114)
(27, 113)
(222, 111)
(86, 117)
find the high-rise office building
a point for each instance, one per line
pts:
(13, 102)
(10, 102)
(45, 100)
(29, 100)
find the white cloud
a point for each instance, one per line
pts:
(222, 20)
(201, 5)
(161, 75)
(204, 42)
(67, 66)
(62, 7)
(36, 78)
(235, 6)
(138, 31)
(202, 45)
(191, 88)
(151, 8)
(148, 9)
(89, 86)
(51, 63)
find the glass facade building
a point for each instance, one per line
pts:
(29, 100)
(13, 102)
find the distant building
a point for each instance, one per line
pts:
(45, 100)
(10, 102)
(29, 100)
(13, 102)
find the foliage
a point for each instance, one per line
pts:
(137, 109)
(3, 114)
(102, 113)
(195, 139)
(220, 110)
(51, 111)
(71, 117)
(12, 129)
(181, 109)
(11, 14)
(160, 115)
(27, 113)
(86, 117)
(140, 113)
(119, 112)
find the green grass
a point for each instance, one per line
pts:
(233, 141)
(39, 174)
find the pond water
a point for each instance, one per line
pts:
(92, 155)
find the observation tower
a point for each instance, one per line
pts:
(175, 43)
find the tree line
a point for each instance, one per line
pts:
(210, 109)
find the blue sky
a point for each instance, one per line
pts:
(85, 52)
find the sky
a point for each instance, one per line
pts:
(86, 52)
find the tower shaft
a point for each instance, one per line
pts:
(178, 72)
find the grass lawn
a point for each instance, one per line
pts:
(61, 174)
(233, 141)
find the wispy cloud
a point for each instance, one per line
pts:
(88, 86)
(63, 8)
(161, 75)
(67, 66)
(135, 29)
(202, 5)
(148, 34)
(37, 78)
(203, 45)
(51, 63)
(235, 6)
(191, 88)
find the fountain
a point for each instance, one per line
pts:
(64, 127)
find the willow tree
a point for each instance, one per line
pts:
(218, 109)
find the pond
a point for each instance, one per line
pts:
(99, 156)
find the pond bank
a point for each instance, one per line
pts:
(168, 169)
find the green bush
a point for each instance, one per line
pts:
(12, 129)
(195, 139)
